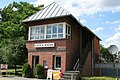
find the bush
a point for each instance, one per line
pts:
(39, 71)
(26, 70)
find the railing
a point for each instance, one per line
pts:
(78, 62)
(76, 67)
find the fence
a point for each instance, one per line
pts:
(11, 70)
(108, 69)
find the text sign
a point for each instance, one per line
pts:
(44, 45)
(56, 74)
(49, 74)
(4, 66)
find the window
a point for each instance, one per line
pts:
(60, 30)
(37, 33)
(32, 34)
(54, 31)
(57, 62)
(45, 63)
(68, 31)
(50, 31)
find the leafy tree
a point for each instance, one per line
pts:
(12, 26)
(14, 52)
(13, 33)
(105, 54)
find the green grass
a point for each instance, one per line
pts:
(100, 78)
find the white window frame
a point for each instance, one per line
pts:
(45, 33)
(29, 33)
(68, 35)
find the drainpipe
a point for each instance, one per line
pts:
(92, 57)
(80, 56)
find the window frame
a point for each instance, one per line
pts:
(45, 31)
(55, 61)
(68, 32)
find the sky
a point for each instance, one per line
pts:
(100, 16)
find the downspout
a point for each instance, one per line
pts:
(92, 57)
(80, 50)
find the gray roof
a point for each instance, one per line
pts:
(50, 11)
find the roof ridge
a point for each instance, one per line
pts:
(57, 4)
(47, 5)
(48, 11)
(39, 11)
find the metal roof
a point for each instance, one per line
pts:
(50, 11)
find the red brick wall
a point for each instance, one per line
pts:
(69, 56)
(48, 55)
(87, 69)
(58, 43)
(73, 45)
(96, 46)
(96, 55)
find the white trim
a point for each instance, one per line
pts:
(45, 32)
(64, 30)
(68, 35)
(29, 33)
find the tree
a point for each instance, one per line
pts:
(13, 33)
(14, 52)
(12, 26)
(105, 54)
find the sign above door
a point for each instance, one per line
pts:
(40, 45)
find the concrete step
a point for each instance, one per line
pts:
(72, 71)
(68, 75)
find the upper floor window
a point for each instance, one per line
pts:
(50, 31)
(68, 31)
(37, 33)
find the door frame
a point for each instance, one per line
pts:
(34, 62)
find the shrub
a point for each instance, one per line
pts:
(39, 71)
(26, 70)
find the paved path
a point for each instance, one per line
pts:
(18, 78)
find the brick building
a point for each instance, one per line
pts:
(58, 41)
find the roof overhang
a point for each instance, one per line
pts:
(53, 11)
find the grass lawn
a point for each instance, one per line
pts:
(100, 78)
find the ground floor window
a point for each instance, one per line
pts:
(45, 63)
(57, 62)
